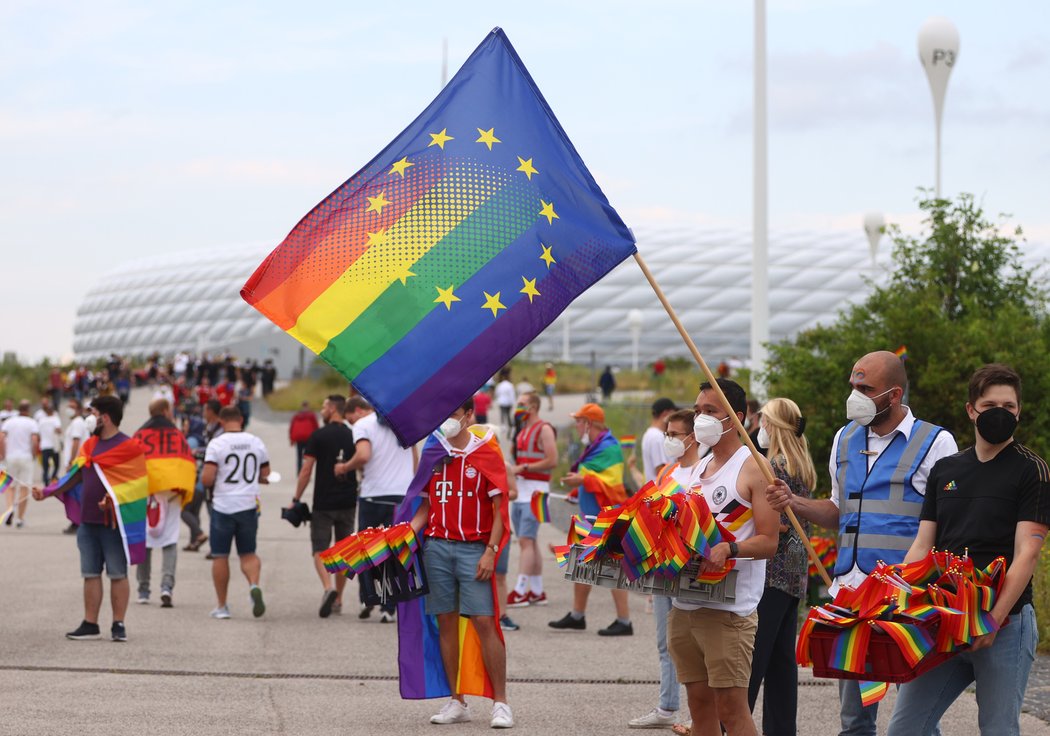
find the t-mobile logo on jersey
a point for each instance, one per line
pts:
(443, 490)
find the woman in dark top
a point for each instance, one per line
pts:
(780, 434)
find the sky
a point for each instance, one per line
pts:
(128, 129)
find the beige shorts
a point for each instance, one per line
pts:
(21, 471)
(712, 646)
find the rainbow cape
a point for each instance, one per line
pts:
(601, 466)
(424, 273)
(122, 470)
(421, 668)
(169, 461)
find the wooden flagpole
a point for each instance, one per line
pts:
(763, 463)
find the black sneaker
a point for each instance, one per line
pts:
(568, 622)
(326, 603)
(85, 631)
(617, 629)
(366, 611)
(118, 632)
(71, 529)
(258, 607)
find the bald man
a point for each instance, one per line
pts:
(879, 465)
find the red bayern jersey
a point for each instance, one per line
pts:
(461, 502)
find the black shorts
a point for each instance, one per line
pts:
(322, 523)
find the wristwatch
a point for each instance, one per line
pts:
(734, 549)
(494, 548)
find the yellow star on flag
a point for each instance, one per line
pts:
(446, 297)
(548, 212)
(546, 256)
(526, 167)
(377, 238)
(403, 275)
(492, 302)
(400, 166)
(376, 204)
(488, 137)
(439, 139)
(529, 288)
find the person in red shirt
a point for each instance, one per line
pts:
(225, 393)
(462, 520)
(204, 391)
(482, 402)
(300, 428)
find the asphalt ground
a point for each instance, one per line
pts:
(291, 672)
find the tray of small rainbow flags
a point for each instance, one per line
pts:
(901, 621)
(393, 554)
(652, 544)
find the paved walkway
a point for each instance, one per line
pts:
(291, 672)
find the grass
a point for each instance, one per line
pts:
(292, 395)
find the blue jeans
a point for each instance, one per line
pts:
(1000, 671)
(101, 545)
(669, 687)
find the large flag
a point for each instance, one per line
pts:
(441, 259)
(169, 460)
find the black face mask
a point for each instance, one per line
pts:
(996, 425)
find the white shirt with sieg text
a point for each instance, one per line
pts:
(239, 457)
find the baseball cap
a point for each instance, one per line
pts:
(592, 412)
(663, 404)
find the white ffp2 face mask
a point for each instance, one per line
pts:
(451, 428)
(674, 448)
(861, 409)
(763, 438)
(707, 430)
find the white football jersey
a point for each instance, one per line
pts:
(239, 457)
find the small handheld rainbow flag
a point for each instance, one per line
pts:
(872, 692)
(901, 352)
(5, 480)
(541, 506)
(627, 442)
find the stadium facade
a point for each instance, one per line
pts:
(190, 301)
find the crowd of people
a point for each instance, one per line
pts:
(899, 487)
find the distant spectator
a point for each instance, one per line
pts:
(506, 397)
(607, 383)
(244, 401)
(50, 427)
(723, 370)
(482, 403)
(550, 383)
(524, 387)
(55, 384)
(303, 424)
(21, 445)
(268, 377)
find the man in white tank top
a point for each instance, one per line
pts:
(712, 643)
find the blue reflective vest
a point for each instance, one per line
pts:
(878, 509)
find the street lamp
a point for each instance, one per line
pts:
(634, 323)
(874, 227)
(760, 214)
(938, 52)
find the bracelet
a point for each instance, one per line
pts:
(734, 549)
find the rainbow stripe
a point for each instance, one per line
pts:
(601, 466)
(461, 241)
(850, 648)
(913, 642)
(901, 352)
(5, 481)
(627, 442)
(872, 692)
(540, 505)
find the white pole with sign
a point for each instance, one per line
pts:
(938, 52)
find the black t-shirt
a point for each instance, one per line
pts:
(324, 446)
(977, 505)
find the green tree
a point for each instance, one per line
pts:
(959, 297)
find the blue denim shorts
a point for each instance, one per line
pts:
(225, 528)
(503, 561)
(450, 568)
(98, 545)
(524, 521)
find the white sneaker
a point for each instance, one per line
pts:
(221, 612)
(143, 599)
(387, 618)
(501, 716)
(453, 712)
(652, 719)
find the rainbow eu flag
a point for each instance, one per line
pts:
(425, 272)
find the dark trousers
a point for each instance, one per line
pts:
(191, 514)
(300, 448)
(375, 511)
(49, 463)
(774, 662)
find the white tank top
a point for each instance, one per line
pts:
(734, 514)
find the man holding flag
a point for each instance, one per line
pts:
(599, 476)
(462, 516)
(172, 476)
(105, 493)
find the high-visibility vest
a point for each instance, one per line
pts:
(528, 451)
(879, 508)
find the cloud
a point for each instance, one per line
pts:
(256, 172)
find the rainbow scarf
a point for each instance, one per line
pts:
(601, 466)
(122, 470)
(169, 460)
(421, 668)
(448, 253)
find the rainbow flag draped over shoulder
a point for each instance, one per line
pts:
(420, 666)
(601, 466)
(425, 272)
(122, 470)
(169, 461)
